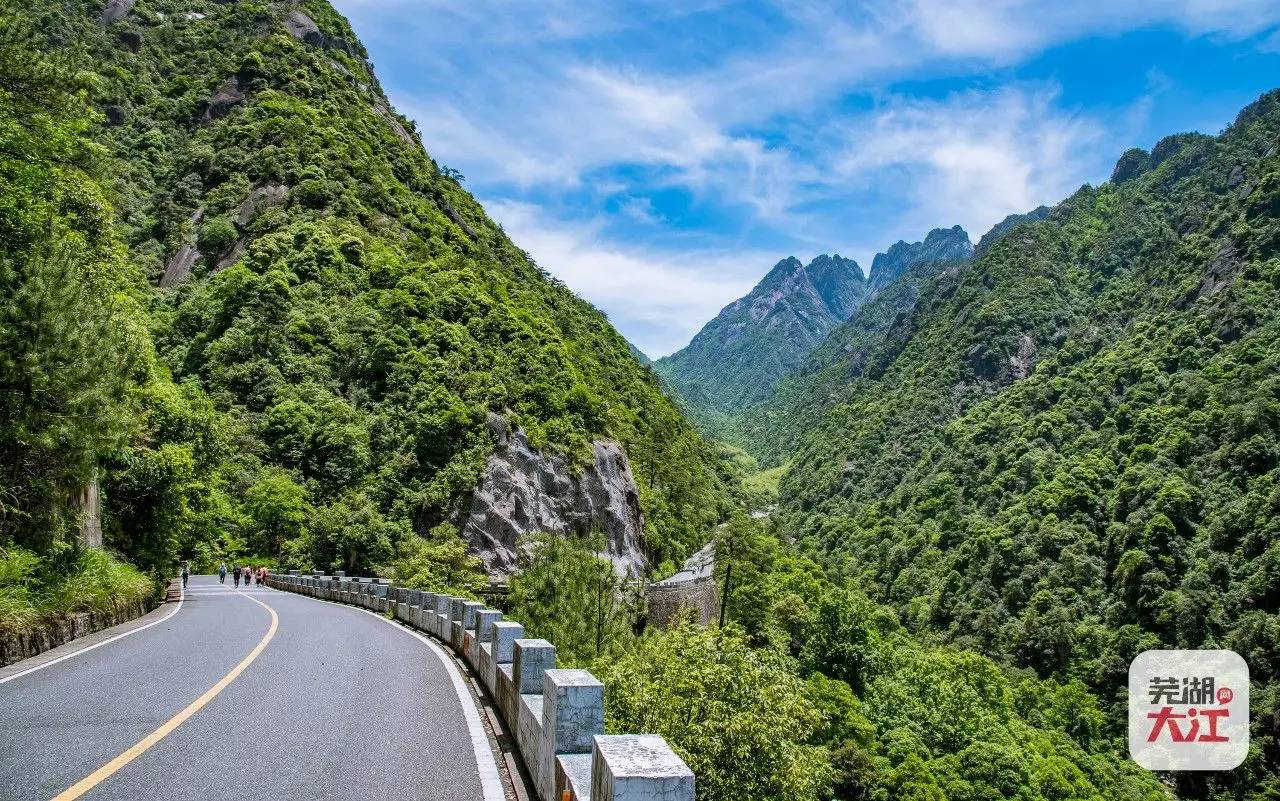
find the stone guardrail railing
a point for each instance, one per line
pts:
(556, 716)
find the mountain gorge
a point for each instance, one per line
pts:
(243, 302)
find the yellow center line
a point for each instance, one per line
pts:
(106, 771)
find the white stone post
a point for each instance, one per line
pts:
(502, 638)
(638, 767)
(462, 624)
(531, 660)
(572, 715)
(479, 637)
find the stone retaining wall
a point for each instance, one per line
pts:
(556, 716)
(19, 645)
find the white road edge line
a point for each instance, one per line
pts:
(182, 596)
(486, 763)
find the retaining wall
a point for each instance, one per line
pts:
(556, 716)
(18, 645)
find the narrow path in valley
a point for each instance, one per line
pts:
(283, 698)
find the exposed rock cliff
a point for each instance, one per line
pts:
(524, 491)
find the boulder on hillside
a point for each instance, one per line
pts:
(131, 39)
(222, 101)
(115, 11)
(304, 29)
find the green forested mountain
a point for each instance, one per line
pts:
(331, 316)
(739, 357)
(239, 293)
(771, 429)
(1068, 449)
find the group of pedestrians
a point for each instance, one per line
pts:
(247, 573)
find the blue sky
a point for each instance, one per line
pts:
(660, 157)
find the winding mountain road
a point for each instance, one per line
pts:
(244, 694)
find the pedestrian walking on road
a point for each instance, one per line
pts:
(262, 575)
(222, 573)
(248, 576)
(235, 574)
(185, 572)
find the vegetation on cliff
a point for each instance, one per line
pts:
(336, 315)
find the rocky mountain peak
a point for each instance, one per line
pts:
(940, 244)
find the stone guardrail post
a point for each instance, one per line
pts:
(467, 620)
(532, 659)
(556, 715)
(502, 641)
(572, 715)
(475, 640)
(424, 613)
(637, 767)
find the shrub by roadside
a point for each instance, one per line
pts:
(38, 590)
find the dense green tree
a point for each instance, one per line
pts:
(568, 592)
(738, 716)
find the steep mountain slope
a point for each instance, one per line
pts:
(738, 357)
(346, 317)
(770, 429)
(1069, 449)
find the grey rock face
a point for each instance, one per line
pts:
(222, 101)
(272, 194)
(115, 11)
(180, 264)
(304, 29)
(524, 491)
(940, 245)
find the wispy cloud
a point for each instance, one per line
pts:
(658, 298)
(973, 157)
(602, 133)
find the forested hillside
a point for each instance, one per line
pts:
(771, 429)
(333, 315)
(1067, 451)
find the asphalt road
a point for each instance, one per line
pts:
(336, 704)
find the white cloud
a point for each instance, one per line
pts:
(582, 107)
(658, 298)
(973, 157)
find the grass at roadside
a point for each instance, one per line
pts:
(36, 588)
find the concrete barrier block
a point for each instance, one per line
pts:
(500, 651)
(444, 605)
(572, 716)
(466, 623)
(503, 637)
(529, 730)
(638, 767)
(478, 635)
(573, 775)
(530, 660)
(504, 693)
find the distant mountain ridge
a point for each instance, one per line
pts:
(739, 358)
